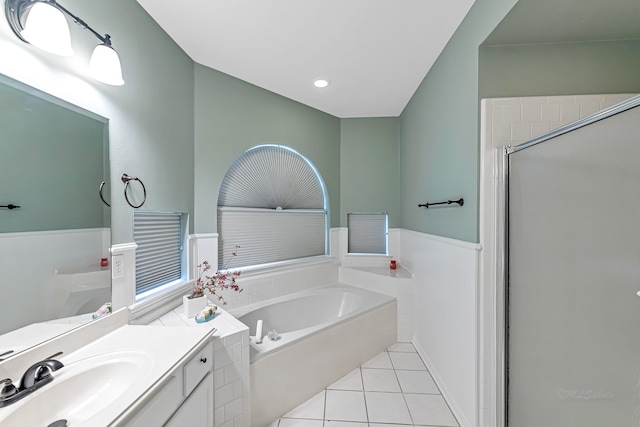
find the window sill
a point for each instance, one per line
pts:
(399, 273)
(255, 270)
(153, 305)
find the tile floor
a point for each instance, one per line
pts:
(391, 390)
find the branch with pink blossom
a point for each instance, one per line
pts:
(222, 280)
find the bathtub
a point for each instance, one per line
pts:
(324, 333)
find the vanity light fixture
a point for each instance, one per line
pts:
(42, 23)
(321, 83)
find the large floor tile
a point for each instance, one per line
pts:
(381, 361)
(387, 408)
(409, 361)
(402, 347)
(393, 389)
(351, 381)
(345, 405)
(344, 424)
(380, 380)
(297, 422)
(311, 409)
(417, 382)
(430, 409)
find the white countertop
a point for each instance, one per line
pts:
(167, 345)
(222, 325)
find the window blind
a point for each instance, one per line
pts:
(269, 235)
(367, 233)
(159, 236)
(271, 176)
(272, 203)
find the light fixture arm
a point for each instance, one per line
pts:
(44, 24)
(15, 9)
(106, 39)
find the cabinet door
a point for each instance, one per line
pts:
(160, 407)
(197, 410)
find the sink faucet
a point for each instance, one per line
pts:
(35, 377)
(39, 372)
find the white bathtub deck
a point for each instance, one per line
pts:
(391, 390)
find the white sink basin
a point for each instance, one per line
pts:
(80, 390)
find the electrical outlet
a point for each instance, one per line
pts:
(117, 266)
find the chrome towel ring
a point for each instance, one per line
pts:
(101, 196)
(127, 179)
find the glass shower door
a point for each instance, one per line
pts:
(573, 339)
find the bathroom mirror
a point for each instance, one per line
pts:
(54, 229)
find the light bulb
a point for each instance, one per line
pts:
(105, 65)
(47, 29)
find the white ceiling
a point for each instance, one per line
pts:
(374, 52)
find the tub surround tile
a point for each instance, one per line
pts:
(381, 361)
(380, 380)
(428, 409)
(402, 347)
(311, 409)
(569, 112)
(407, 361)
(417, 382)
(172, 319)
(511, 114)
(345, 406)
(387, 408)
(550, 112)
(352, 381)
(540, 128)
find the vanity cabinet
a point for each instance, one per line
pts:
(184, 399)
(197, 410)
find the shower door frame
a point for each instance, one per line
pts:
(502, 255)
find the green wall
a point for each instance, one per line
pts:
(439, 132)
(232, 116)
(51, 164)
(150, 117)
(369, 167)
(560, 69)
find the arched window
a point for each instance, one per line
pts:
(273, 204)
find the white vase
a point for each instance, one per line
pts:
(193, 305)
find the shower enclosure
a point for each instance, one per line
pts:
(573, 274)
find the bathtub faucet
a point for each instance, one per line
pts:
(259, 332)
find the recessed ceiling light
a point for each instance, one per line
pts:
(321, 83)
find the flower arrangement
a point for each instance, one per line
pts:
(222, 279)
